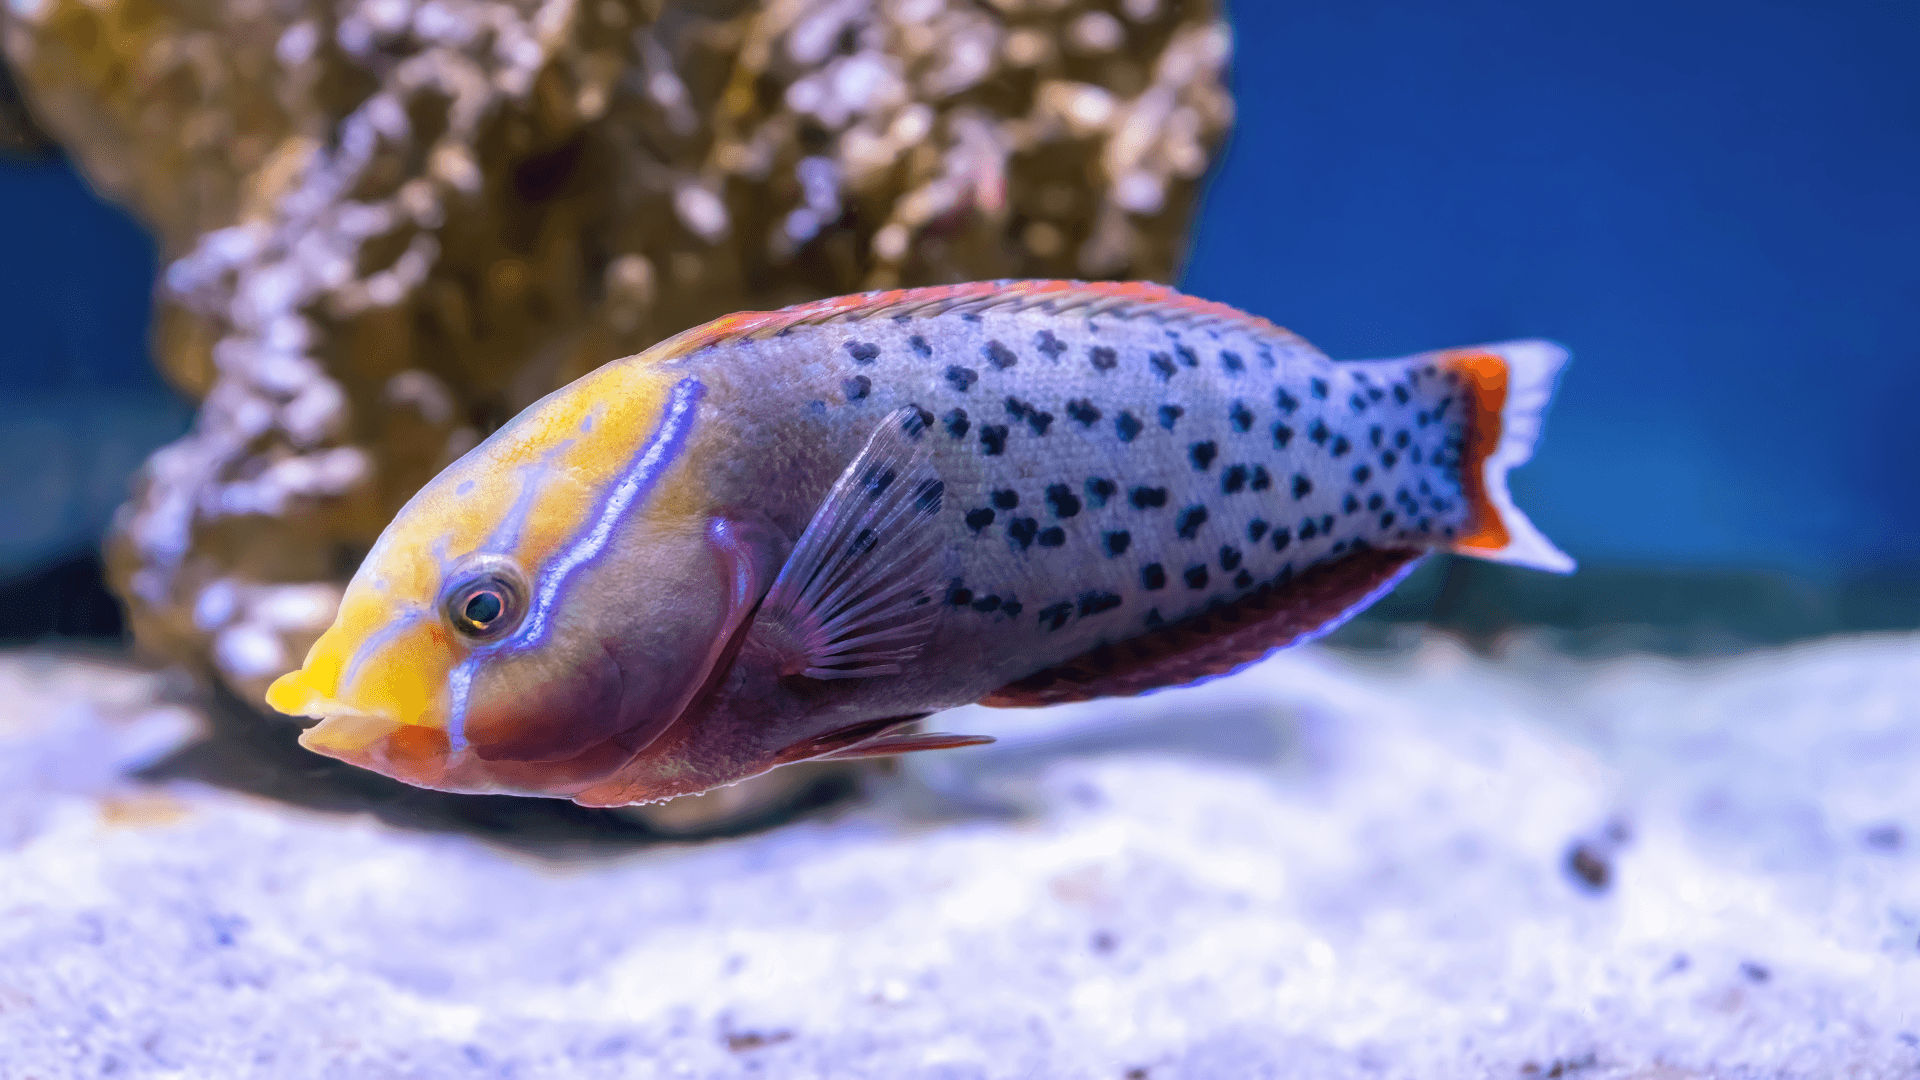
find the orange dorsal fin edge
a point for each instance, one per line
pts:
(1114, 299)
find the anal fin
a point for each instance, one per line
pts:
(1221, 640)
(855, 598)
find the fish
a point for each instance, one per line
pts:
(794, 535)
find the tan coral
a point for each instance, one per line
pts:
(392, 224)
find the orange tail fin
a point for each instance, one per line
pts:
(1507, 388)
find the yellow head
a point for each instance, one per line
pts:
(540, 612)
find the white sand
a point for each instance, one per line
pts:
(1324, 867)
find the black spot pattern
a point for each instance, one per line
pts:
(999, 355)
(986, 604)
(993, 439)
(1285, 402)
(863, 352)
(957, 423)
(1229, 558)
(1051, 347)
(1282, 435)
(1062, 501)
(1196, 576)
(1302, 487)
(958, 594)
(1319, 433)
(1187, 525)
(1162, 365)
(1116, 542)
(1102, 357)
(1145, 498)
(1021, 531)
(1055, 616)
(1233, 479)
(979, 519)
(1170, 415)
(1282, 536)
(1319, 388)
(1153, 576)
(1053, 536)
(1241, 416)
(1187, 355)
(1202, 454)
(919, 345)
(1255, 530)
(1083, 412)
(927, 497)
(1231, 362)
(1099, 490)
(1340, 446)
(1362, 474)
(857, 387)
(1036, 419)
(1127, 426)
(962, 378)
(1005, 499)
(1093, 603)
(878, 480)
(1262, 480)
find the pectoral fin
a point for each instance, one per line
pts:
(855, 599)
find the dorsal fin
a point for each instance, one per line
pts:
(1222, 640)
(1112, 299)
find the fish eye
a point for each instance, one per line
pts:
(486, 599)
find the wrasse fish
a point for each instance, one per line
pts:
(790, 535)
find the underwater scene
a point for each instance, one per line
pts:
(959, 539)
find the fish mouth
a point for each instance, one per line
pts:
(370, 739)
(411, 753)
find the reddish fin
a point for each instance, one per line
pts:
(854, 600)
(1222, 640)
(889, 745)
(846, 738)
(1507, 388)
(1113, 299)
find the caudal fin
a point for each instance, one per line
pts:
(1507, 387)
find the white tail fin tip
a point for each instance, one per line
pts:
(1533, 367)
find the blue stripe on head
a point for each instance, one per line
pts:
(648, 465)
(645, 470)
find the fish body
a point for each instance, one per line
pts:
(785, 535)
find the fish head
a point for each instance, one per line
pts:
(540, 612)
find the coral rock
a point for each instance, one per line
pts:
(392, 225)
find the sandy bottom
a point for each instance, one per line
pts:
(1420, 864)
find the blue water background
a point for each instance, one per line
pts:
(1716, 206)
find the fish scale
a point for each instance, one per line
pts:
(1108, 474)
(789, 535)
